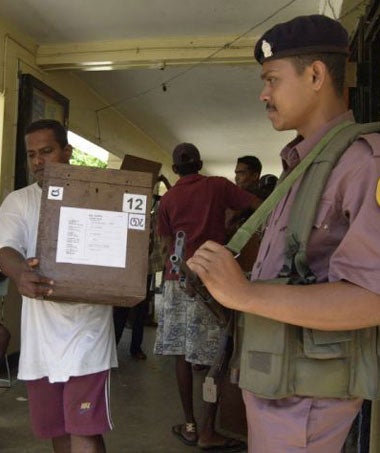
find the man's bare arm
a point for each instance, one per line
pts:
(325, 306)
(24, 273)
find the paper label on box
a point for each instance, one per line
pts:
(55, 193)
(134, 203)
(92, 237)
(136, 222)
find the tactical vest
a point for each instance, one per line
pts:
(280, 360)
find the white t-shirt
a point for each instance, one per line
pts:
(58, 340)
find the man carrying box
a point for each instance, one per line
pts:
(67, 349)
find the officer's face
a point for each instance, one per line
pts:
(289, 96)
(41, 148)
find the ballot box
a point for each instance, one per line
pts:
(93, 234)
(135, 163)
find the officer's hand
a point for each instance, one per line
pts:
(30, 283)
(220, 272)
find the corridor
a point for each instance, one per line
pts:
(144, 404)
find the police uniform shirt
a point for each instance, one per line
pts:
(345, 239)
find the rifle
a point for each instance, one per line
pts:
(193, 285)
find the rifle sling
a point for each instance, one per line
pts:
(259, 217)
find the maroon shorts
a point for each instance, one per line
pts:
(79, 406)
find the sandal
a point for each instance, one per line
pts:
(181, 430)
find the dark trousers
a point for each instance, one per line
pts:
(137, 314)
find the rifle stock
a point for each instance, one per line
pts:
(193, 285)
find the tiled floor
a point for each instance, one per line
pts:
(144, 403)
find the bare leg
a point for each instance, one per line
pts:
(184, 375)
(87, 444)
(62, 444)
(208, 436)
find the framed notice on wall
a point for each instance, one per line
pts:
(36, 101)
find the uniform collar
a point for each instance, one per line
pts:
(298, 148)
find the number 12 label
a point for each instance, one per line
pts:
(135, 204)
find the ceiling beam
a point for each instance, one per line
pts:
(147, 54)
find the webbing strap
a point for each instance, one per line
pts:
(258, 218)
(310, 191)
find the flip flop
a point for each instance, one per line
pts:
(189, 428)
(229, 445)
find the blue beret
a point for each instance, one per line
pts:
(301, 36)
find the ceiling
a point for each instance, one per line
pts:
(165, 65)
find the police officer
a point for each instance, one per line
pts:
(296, 402)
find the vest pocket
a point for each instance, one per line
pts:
(365, 381)
(264, 364)
(322, 344)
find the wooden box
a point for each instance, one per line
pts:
(93, 234)
(135, 163)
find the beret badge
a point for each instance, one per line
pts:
(303, 35)
(266, 49)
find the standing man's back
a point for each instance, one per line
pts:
(196, 205)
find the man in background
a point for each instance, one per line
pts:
(247, 173)
(267, 184)
(196, 205)
(247, 177)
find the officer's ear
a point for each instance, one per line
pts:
(200, 165)
(318, 72)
